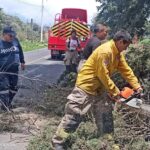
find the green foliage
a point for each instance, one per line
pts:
(67, 80)
(0, 19)
(42, 142)
(30, 45)
(145, 41)
(25, 31)
(138, 58)
(130, 14)
(147, 29)
(29, 35)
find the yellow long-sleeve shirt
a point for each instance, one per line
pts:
(96, 72)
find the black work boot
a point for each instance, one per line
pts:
(68, 69)
(74, 68)
(58, 147)
(147, 138)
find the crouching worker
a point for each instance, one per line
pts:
(71, 58)
(92, 81)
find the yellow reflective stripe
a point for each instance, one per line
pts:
(80, 30)
(81, 33)
(82, 26)
(60, 25)
(64, 29)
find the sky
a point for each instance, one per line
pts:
(27, 9)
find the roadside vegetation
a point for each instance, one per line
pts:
(29, 45)
(28, 33)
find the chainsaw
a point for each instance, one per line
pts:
(133, 99)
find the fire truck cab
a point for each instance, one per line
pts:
(70, 18)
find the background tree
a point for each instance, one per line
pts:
(147, 29)
(24, 29)
(129, 14)
(1, 19)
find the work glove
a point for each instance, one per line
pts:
(139, 90)
(116, 98)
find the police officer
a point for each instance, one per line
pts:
(10, 57)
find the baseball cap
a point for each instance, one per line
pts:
(9, 30)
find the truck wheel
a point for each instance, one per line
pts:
(52, 56)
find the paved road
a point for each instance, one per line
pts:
(34, 56)
(40, 72)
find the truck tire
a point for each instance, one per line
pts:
(57, 56)
(53, 57)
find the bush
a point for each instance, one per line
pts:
(32, 45)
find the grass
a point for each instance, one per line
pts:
(29, 45)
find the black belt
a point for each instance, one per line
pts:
(71, 50)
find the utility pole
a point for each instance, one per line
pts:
(27, 30)
(42, 9)
(31, 29)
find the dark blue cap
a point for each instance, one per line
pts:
(9, 30)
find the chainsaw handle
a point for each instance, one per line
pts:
(135, 95)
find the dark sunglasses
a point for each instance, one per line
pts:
(10, 35)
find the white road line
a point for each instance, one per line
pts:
(32, 51)
(31, 62)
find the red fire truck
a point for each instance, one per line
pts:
(70, 18)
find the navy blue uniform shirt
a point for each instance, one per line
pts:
(8, 53)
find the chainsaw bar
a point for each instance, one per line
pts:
(133, 102)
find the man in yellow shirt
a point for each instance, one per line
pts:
(93, 79)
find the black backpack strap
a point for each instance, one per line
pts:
(68, 43)
(78, 42)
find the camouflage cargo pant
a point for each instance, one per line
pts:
(71, 57)
(79, 103)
